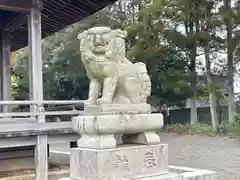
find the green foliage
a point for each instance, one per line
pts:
(14, 86)
(225, 128)
(178, 128)
(63, 73)
(20, 82)
(231, 129)
(156, 36)
(203, 92)
(200, 129)
(149, 42)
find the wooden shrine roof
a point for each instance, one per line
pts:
(56, 15)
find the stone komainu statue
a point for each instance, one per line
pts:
(113, 78)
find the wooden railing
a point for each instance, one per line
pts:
(37, 134)
(42, 102)
(41, 111)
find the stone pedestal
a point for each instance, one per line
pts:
(98, 157)
(129, 162)
(139, 156)
(97, 131)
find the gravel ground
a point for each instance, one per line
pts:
(218, 154)
(53, 174)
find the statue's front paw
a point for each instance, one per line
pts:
(103, 101)
(89, 102)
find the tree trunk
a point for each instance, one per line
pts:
(194, 89)
(231, 103)
(191, 24)
(193, 55)
(212, 93)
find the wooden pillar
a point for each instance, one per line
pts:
(30, 68)
(6, 71)
(1, 50)
(35, 57)
(41, 158)
(1, 64)
(36, 86)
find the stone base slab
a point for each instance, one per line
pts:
(194, 174)
(111, 124)
(128, 162)
(115, 109)
(97, 131)
(178, 173)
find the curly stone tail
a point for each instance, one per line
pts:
(145, 90)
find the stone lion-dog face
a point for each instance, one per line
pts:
(98, 39)
(97, 47)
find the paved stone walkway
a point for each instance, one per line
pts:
(217, 154)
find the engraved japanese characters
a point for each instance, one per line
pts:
(113, 78)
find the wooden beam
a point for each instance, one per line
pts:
(41, 157)
(34, 128)
(10, 8)
(62, 138)
(15, 5)
(15, 23)
(6, 72)
(11, 142)
(48, 102)
(40, 113)
(17, 142)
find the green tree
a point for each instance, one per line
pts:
(162, 34)
(150, 42)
